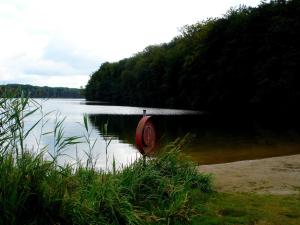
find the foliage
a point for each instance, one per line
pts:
(41, 92)
(248, 59)
(35, 191)
(13, 112)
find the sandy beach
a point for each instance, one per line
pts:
(278, 175)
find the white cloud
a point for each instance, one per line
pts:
(62, 41)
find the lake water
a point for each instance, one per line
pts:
(212, 139)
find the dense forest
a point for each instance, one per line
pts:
(41, 92)
(248, 59)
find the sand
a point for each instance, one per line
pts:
(278, 175)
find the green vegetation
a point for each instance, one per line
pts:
(41, 92)
(248, 59)
(36, 190)
(247, 208)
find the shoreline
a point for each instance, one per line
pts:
(276, 175)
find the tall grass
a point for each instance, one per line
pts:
(34, 190)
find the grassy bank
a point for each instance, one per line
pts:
(247, 208)
(164, 190)
(158, 191)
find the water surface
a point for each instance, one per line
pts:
(212, 138)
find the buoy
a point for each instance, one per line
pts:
(145, 137)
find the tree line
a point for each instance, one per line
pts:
(40, 92)
(248, 59)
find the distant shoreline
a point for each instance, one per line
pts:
(17, 90)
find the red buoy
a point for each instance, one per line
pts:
(145, 137)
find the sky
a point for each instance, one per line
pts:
(60, 43)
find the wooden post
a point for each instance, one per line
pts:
(144, 156)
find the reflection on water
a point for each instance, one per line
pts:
(120, 149)
(216, 138)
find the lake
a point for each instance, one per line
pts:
(212, 138)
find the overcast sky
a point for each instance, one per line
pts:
(61, 42)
